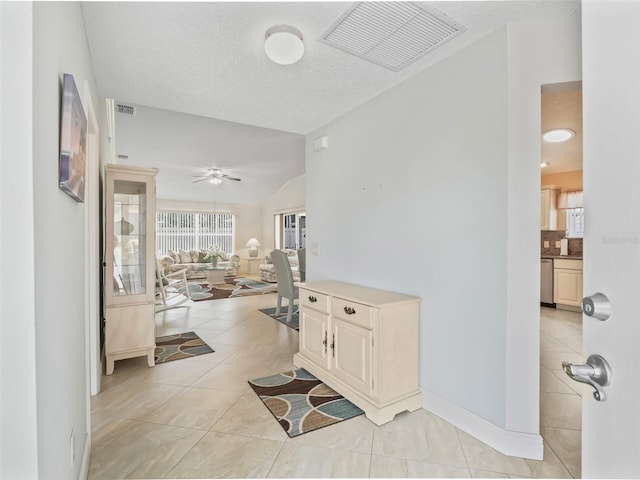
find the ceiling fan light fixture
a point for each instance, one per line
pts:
(215, 180)
(283, 44)
(558, 135)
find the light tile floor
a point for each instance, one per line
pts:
(198, 418)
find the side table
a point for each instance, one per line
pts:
(215, 275)
(253, 265)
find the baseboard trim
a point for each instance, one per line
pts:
(515, 444)
(86, 455)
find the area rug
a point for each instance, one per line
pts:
(180, 345)
(231, 289)
(301, 403)
(282, 318)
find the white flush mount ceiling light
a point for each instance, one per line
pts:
(283, 44)
(558, 135)
(546, 163)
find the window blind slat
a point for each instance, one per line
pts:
(193, 231)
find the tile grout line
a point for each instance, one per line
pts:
(557, 456)
(464, 455)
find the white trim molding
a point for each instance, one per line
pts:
(515, 444)
(86, 457)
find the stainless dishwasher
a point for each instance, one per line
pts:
(546, 281)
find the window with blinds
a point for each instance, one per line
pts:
(575, 222)
(193, 231)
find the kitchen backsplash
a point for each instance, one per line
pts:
(553, 236)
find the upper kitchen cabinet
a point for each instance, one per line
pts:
(548, 208)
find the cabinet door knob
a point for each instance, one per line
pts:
(349, 310)
(312, 299)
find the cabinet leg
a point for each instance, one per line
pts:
(151, 359)
(110, 363)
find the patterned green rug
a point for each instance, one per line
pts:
(301, 403)
(180, 345)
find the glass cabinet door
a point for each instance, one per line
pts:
(129, 238)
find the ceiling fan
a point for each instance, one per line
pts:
(215, 176)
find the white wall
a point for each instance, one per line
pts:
(248, 219)
(18, 429)
(291, 197)
(59, 46)
(432, 189)
(540, 53)
(411, 196)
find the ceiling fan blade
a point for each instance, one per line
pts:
(235, 179)
(201, 180)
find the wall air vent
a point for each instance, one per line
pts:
(126, 109)
(123, 157)
(391, 34)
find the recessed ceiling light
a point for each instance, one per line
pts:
(283, 44)
(545, 164)
(558, 135)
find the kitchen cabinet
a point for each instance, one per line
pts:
(548, 208)
(363, 343)
(567, 283)
(129, 264)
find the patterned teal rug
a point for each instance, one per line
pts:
(282, 318)
(301, 403)
(178, 346)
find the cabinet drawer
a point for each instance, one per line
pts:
(314, 300)
(353, 312)
(567, 264)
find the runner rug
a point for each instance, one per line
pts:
(301, 403)
(178, 346)
(282, 318)
(231, 289)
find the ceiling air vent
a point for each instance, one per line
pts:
(126, 109)
(391, 34)
(123, 157)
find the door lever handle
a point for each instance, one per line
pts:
(596, 372)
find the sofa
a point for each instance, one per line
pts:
(268, 272)
(194, 260)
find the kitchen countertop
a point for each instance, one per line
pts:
(566, 257)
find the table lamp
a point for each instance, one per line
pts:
(253, 245)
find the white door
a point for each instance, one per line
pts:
(611, 89)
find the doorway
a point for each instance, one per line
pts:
(291, 232)
(560, 240)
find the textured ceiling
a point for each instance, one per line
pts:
(183, 145)
(562, 109)
(206, 59)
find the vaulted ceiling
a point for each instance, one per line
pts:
(207, 59)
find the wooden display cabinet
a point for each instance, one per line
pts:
(129, 264)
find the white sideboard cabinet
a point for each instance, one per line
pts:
(363, 343)
(129, 264)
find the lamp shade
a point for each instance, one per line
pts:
(253, 245)
(283, 45)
